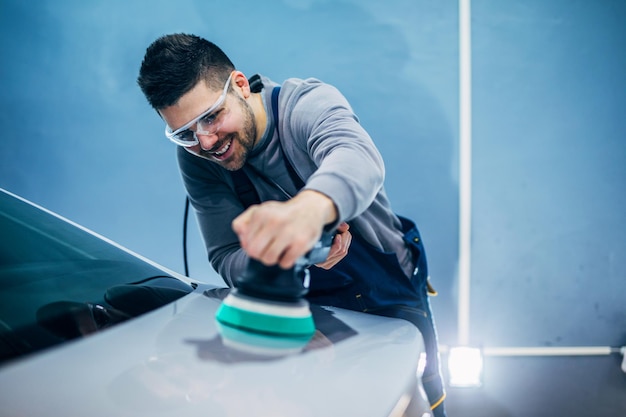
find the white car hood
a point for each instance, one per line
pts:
(174, 361)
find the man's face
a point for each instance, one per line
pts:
(226, 135)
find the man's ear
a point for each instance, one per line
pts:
(241, 84)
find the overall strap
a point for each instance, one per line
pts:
(292, 172)
(243, 186)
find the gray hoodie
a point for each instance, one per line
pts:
(330, 151)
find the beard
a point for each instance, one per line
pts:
(243, 140)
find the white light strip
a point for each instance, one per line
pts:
(544, 350)
(465, 170)
(465, 364)
(550, 351)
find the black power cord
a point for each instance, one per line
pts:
(186, 216)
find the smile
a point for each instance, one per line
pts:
(223, 149)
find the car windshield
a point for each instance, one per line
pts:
(59, 282)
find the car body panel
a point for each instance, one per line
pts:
(177, 360)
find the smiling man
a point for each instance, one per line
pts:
(269, 167)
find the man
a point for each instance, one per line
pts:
(312, 168)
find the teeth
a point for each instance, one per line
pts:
(223, 150)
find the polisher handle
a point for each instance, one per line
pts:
(275, 283)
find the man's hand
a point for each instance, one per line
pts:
(280, 232)
(339, 249)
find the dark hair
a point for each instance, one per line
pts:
(175, 63)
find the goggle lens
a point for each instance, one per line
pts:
(208, 122)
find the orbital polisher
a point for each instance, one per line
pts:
(270, 300)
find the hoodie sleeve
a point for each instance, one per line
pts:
(321, 124)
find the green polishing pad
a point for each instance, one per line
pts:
(260, 344)
(286, 319)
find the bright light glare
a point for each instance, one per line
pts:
(465, 367)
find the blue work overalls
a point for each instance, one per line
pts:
(372, 281)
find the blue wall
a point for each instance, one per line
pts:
(549, 201)
(549, 173)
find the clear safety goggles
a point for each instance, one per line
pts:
(208, 123)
